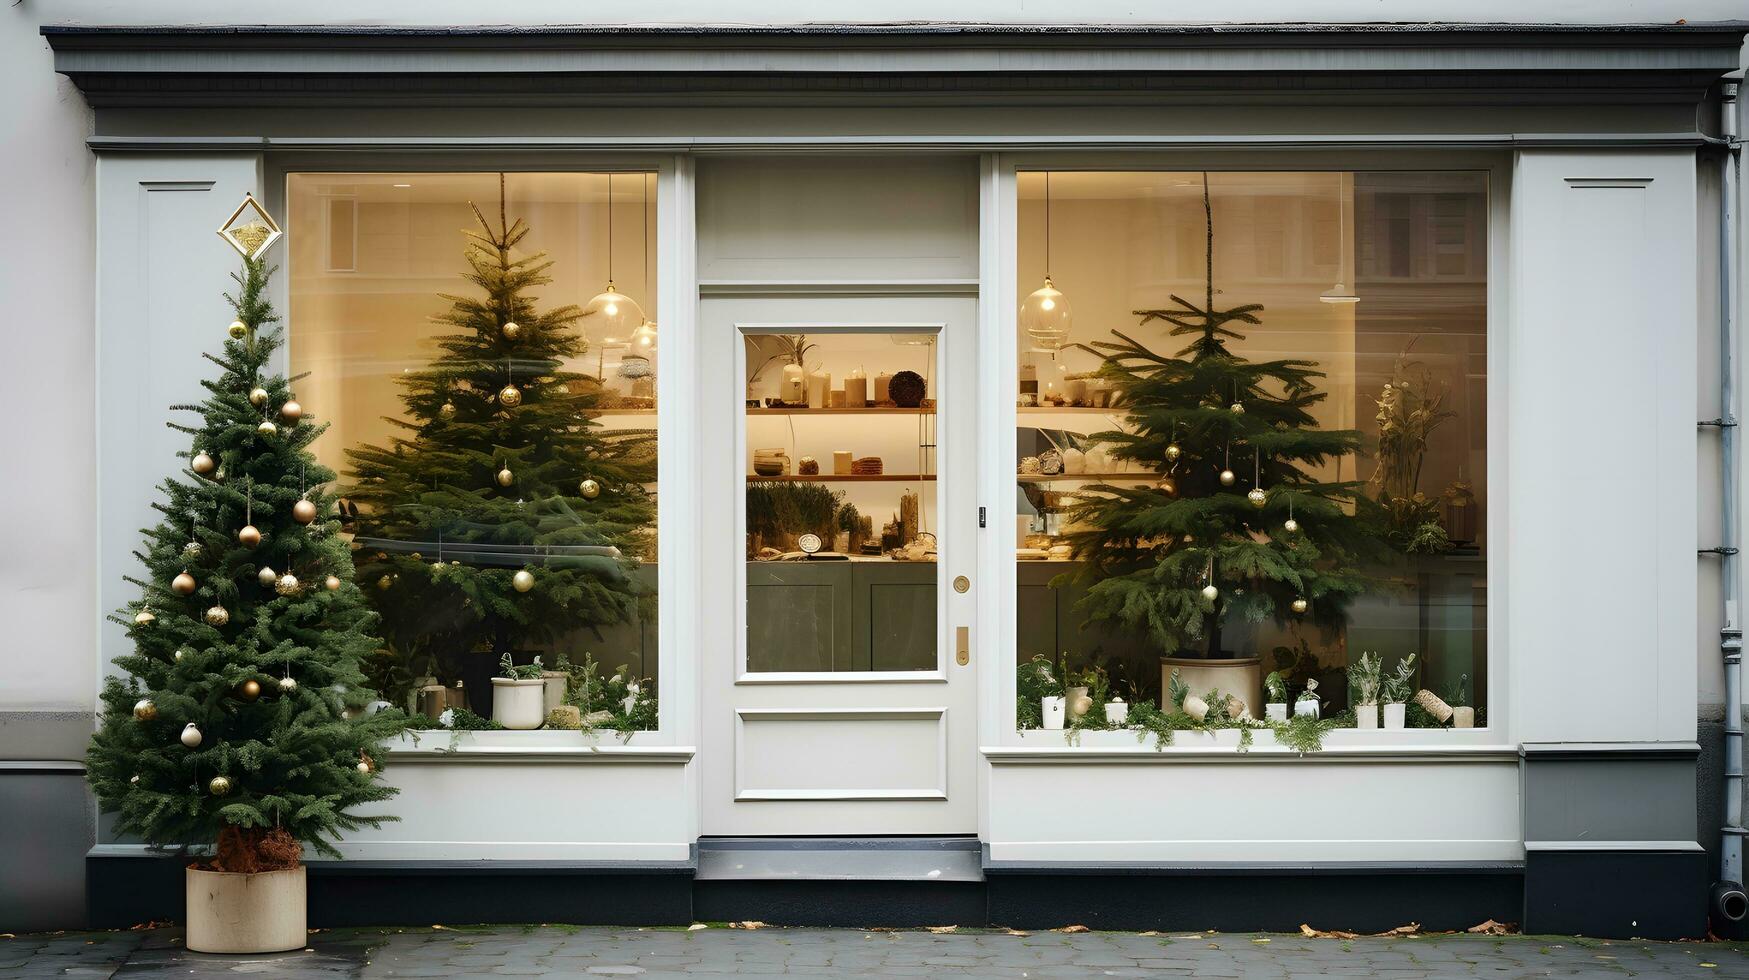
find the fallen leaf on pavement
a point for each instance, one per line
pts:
(1492, 928)
(1074, 929)
(749, 924)
(938, 930)
(1310, 933)
(696, 926)
(1017, 932)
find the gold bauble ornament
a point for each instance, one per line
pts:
(1167, 487)
(589, 489)
(182, 584)
(258, 397)
(267, 576)
(218, 616)
(291, 411)
(447, 410)
(1290, 525)
(192, 550)
(1257, 497)
(331, 583)
(1173, 452)
(144, 618)
(512, 330)
(384, 583)
(303, 512)
(1237, 408)
(1210, 593)
(249, 690)
(145, 710)
(219, 786)
(505, 477)
(191, 735)
(288, 685)
(267, 428)
(249, 536)
(510, 396)
(202, 463)
(1300, 605)
(287, 584)
(238, 330)
(523, 580)
(1227, 478)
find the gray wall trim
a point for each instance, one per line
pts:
(1642, 846)
(438, 751)
(1553, 751)
(10, 767)
(59, 735)
(900, 143)
(1613, 797)
(1260, 755)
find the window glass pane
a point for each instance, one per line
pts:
(493, 421)
(841, 500)
(1285, 487)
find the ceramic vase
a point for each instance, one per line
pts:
(1463, 716)
(1366, 716)
(1054, 709)
(1275, 711)
(1116, 712)
(1394, 715)
(519, 705)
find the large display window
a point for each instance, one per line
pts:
(1251, 451)
(488, 343)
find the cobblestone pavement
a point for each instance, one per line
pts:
(566, 951)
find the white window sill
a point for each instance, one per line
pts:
(1344, 744)
(537, 746)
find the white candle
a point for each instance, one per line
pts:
(841, 462)
(882, 381)
(818, 384)
(856, 389)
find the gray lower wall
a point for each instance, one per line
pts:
(47, 817)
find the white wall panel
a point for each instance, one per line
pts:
(1600, 425)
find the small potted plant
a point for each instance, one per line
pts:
(1275, 709)
(518, 695)
(1395, 692)
(1463, 714)
(1363, 689)
(1307, 704)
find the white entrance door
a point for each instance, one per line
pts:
(838, 685)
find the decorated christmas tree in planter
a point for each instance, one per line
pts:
(505, 517)
(238, 724)
(1237, 526)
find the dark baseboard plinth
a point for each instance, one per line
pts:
(124, 891)
(1617, 894)
(849, 904)
(1255, 900)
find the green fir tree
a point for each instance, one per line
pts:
(504, 518)
(1150, 552)
(248, 637)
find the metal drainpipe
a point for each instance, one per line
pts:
(1728, 898)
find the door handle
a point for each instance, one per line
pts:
(962, 642)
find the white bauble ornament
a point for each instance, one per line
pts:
(191, 735)
(363, 766)
(267, 428)
(1257, 497)
(1227, 478)
(192, 550)
(1290, 525)
(303, 512)
(1237, 408)
(288, 685)
(287, 584)
(145, 710)
(266, 577)
(144, 618)
(258, 397)
(217, 616)
(178, 655)
(202, 463)
(1210, 593)
(238, 330)
(523, 580)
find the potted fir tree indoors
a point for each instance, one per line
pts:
(1241, 526)
(239, 724)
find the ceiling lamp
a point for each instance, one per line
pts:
(1045, 314)
(1340, 293)
(643, 339)
(612, 313)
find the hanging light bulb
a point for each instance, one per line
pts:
(611, 313)
(1045, 315)
(1339, 293)
(643, 339)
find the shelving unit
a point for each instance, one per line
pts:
(1064, 477)
(842, 411)
(1068, 410)
(845, 478)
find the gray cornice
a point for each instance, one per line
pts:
(930, 64)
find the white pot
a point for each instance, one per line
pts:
(1116, 712)
(1463, 717)
(1196, 707)
(1276, 711)
(556, 681)
(238, 913)
(1078, 702)
(1307, 708)
(1366, 716)
(519, 705)
(1394, 715)
(1054, 710)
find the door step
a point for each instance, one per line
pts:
(922, 859)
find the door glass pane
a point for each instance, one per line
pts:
(841, 499)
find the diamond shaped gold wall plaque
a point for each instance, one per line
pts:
(250, 229)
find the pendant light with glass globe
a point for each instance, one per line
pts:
(1340, 292)
(643, 339)
(1044, 316)
(611, 314)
